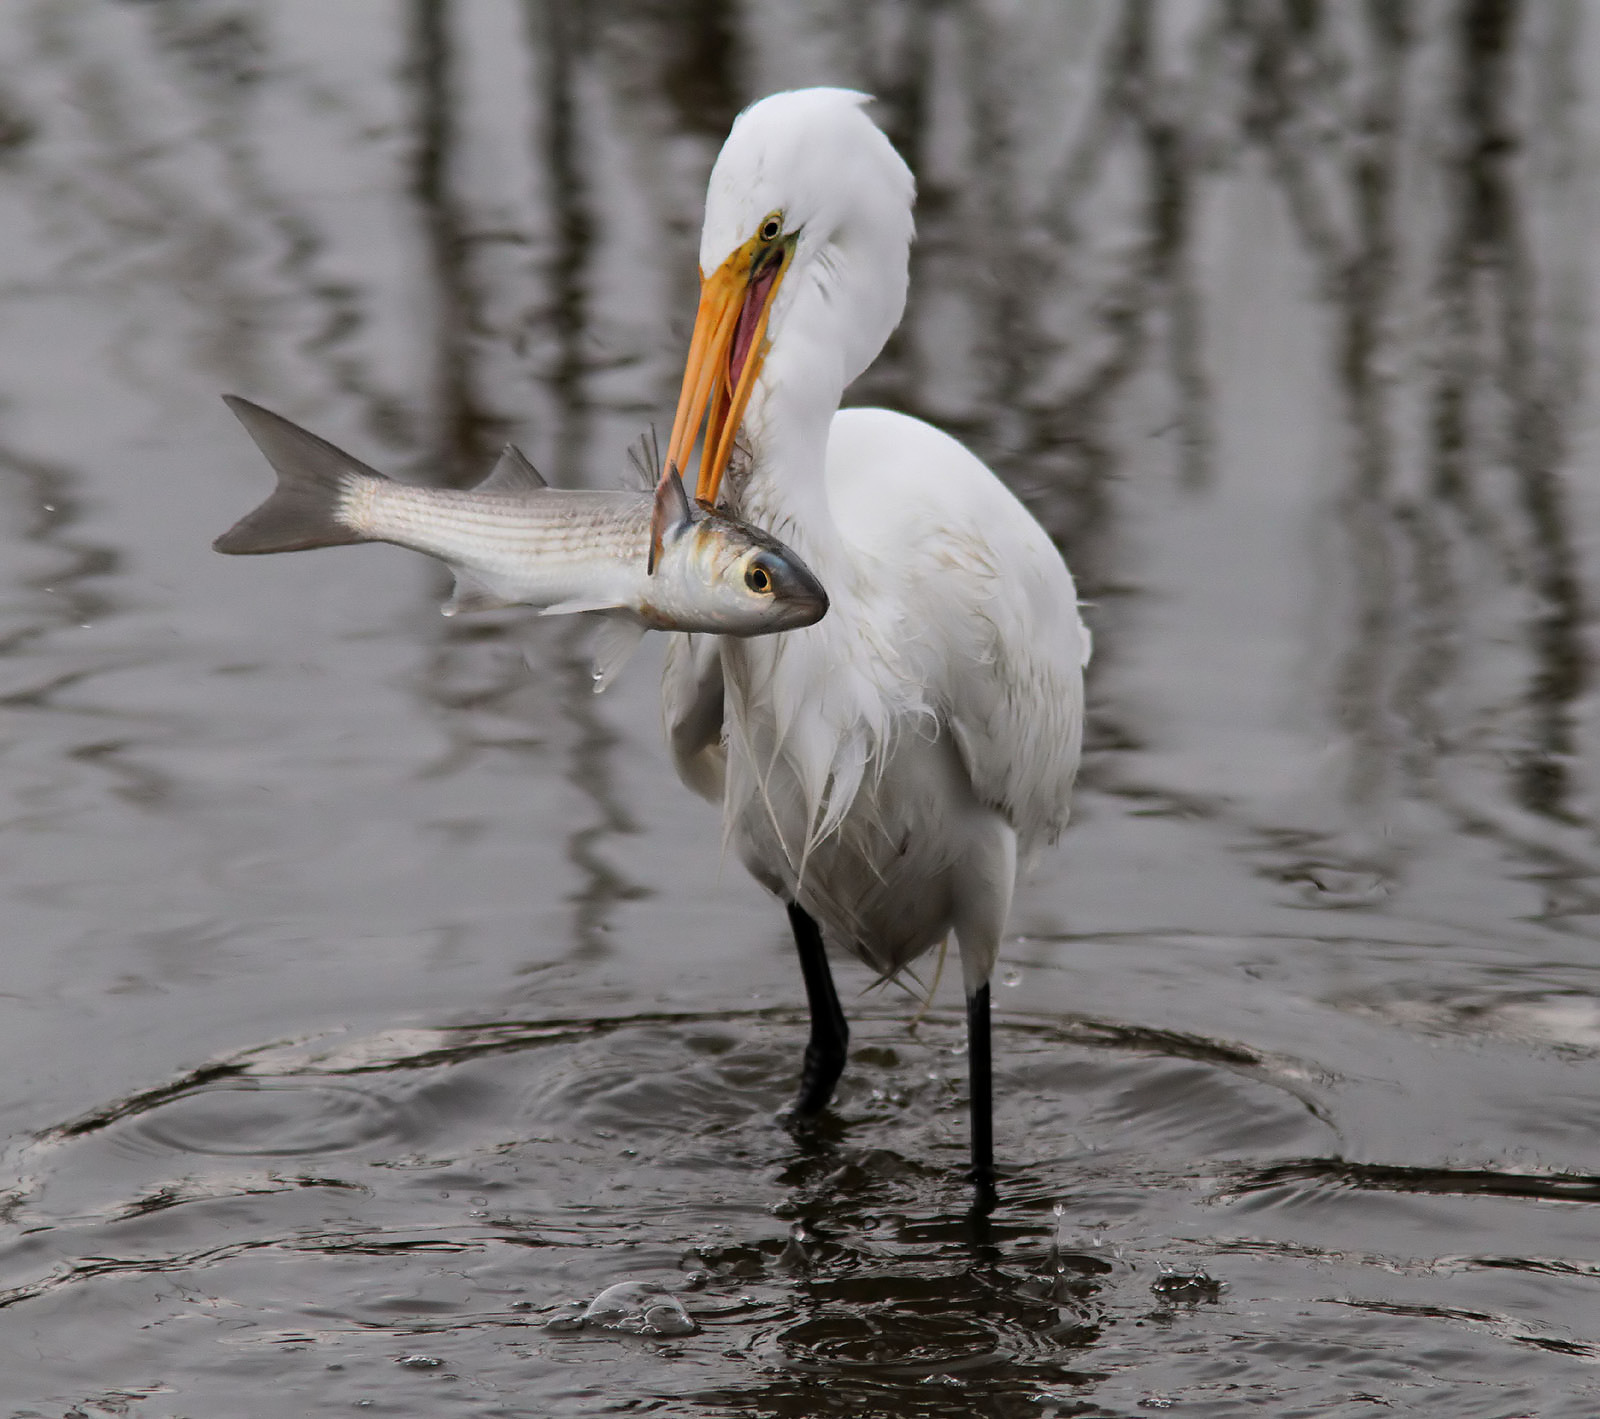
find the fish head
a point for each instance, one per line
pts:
(721, 576)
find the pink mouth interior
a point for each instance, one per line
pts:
(744, 333)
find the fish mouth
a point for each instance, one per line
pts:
(806, 608)
(805, 599)
(726, 352)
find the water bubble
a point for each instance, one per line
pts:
(1324, 885)
(420, 1362)
(566, 1321)
(1188, 1287)
(631, 1308)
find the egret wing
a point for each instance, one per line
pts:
(1014, 696)
(984, 608)
(691, 707)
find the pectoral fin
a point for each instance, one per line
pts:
(567, 608)
(616, 639)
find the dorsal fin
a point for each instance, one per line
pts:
(512, 474)
(644, 455)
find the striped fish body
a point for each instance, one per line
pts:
(555, 549)
(651, 560)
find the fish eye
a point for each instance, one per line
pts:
(772, 227)
(758, 579)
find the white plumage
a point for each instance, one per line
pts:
(886, 768)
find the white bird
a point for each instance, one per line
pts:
(886, 770)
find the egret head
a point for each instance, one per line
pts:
(808, 223)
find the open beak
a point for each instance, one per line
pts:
(725, 356)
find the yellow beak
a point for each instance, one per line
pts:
(726, 353)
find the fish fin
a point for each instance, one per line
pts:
(566, 608)
(303, 511)
(644, 456)
(671, 512)
(615, 641)
(473, 593)
(513, 474)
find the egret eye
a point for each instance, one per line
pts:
(772, 228)
(758, 579)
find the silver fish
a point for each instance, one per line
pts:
(646, 560)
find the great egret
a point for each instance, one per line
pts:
(884, 771)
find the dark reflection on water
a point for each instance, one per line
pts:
(372, 994)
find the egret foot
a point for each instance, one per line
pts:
(830, 1035)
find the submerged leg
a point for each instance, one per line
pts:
(980, 1090)
(830, 1035)
(986, 875)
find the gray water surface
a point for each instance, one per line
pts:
(372, 997)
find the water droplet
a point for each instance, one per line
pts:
(420, 1362)
(49, 507)
(1011, 976)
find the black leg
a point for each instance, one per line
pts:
(830, 1035)
(980, 1091)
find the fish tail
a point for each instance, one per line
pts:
(310, 505)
